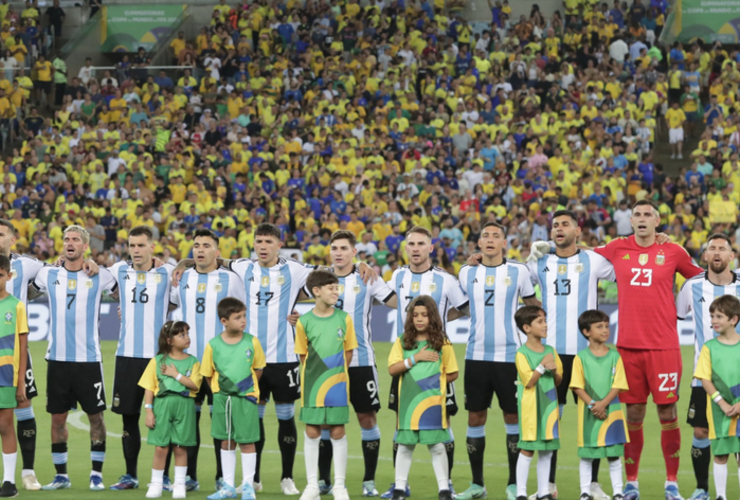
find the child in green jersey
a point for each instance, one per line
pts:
(719, 373)
(171, 381)
(13, 358)
(598, 378)
(425, 361)
(324, 340)
(540, 371)
(232, 365)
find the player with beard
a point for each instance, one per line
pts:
(696, 296)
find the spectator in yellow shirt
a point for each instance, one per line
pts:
(675, 118)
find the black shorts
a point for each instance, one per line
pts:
(31, 391)
(697, 416)
(282, 381)
(70, 383)
(204, 394)
(563, 388)
(363, 389)
(451, 397)
(127, 393)
(44, 86)
(483, 379)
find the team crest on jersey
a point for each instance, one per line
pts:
(643, 259)
(562, 269)
(265, 281)
(218, 287)
(158, 278)
(490, 280)
(72, 284)
(579, 268)
(660, 258)
(340, 288)
(89, 283)
(356, 288)
(141, 278)
(415, 287)
(201, 287)
(13, 274)
(248, 353)
(432, 287)
(507, 281)
(281, 280)
(8, 317)
(340, 334)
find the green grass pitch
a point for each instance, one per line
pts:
(423, 484)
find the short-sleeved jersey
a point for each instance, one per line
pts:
(422, 390)
(569, 287)
(23, 270)
(74, 302)
(598, 375)
(13, 324)
(645, 277)
(161, 385)
(493, 293)
(356, 299)
(144, 298)
(271, 294)
(718, 363)
(198, 294)
(324, 341)
(696, 296)
(435, 282)
(539, 415)
(232, 367)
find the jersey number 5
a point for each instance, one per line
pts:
(641, 277)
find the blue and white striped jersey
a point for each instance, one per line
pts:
(272, 292)
(198, 294)
(696, 296)
(435, 282)
(569, 287)
(23, 270)
(356, 299)
(74, 303)
(144, 297)
(494, 294)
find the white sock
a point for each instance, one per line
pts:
(311, 455)
(543, 473)
(180, 474)
(249, 464)
(440, 465)
(522, 474)
(27, 472)
(403, 465)
(339, 450)
(228, 466)
(9, 461)
(585, 470)
(157, 476)
(615, 473)
(720, 480)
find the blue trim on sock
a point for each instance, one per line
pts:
(452, 436)
(370, 434)
(511, 429)
(477, 432)
(560, 410)
(22, 414)
(285, 411)
(700, 443)
(97, 456)
(59, 458)
(325, 434)
(261, 409)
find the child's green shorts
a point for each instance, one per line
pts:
(335, 415)
(235, 418)
(725, 446)
(591, 453)
(540, 445)
(174, 421)
(435, 436)
(7, 398)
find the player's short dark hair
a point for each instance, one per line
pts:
(420, 230)
(494, 224)
(646, 202)
(142, 231)
(266, 229)
(720, 236)
(320, 278)
(229, 306)
(4, 263)
(590, 317)
(343, 235)
(206, 233)
(565, 213)
(6, 223)
(526, 315)
(729, 305)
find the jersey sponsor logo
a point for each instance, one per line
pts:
(340, 334)
(643, 259)
(356, 288)
(126, 278)
(432, 287)
(56, 283)
(72, 284)
(490, 280)
(562, 269)
(265, 281)
(626, 257)
(8, 317)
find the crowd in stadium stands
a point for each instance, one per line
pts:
(320, 116)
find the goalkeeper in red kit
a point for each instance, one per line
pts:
(647, 338)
